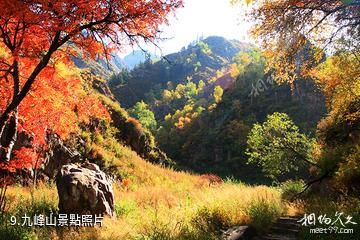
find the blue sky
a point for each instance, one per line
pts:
(202, 18)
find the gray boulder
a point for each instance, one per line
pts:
(84, 190)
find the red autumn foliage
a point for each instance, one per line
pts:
(212, 179)
(55, 102)
(25, 158)
(36, 35)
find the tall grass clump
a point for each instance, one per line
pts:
(263, 213)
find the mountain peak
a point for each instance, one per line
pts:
(215, 40)
(201, 60)
(222, 46)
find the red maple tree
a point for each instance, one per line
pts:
(57, 102)
(35, 35)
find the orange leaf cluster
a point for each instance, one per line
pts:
(56, 102)
(86, 23)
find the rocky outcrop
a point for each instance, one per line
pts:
(98, 83)
(136, 137)
(84, 190)
(57, 155)
(140, 141)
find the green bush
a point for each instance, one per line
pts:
(291, 188)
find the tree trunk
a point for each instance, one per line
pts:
(8, 137)
(9, 118)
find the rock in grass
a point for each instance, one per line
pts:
(239, 233)
(84, 190)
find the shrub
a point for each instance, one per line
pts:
(291, 188)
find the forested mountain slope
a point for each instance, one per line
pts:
(201, 60)
(205, 100)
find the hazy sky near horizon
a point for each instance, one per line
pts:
(201, 18)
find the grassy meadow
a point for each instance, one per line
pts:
(154, 203)
(160, 203)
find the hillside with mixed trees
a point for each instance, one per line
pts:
(201, 103)
(199, 62)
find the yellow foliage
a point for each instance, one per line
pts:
(234, 71)
(339, 78)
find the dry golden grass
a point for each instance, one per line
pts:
(169, 212)
(159, 203)
(296, 208)
(18, 195)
